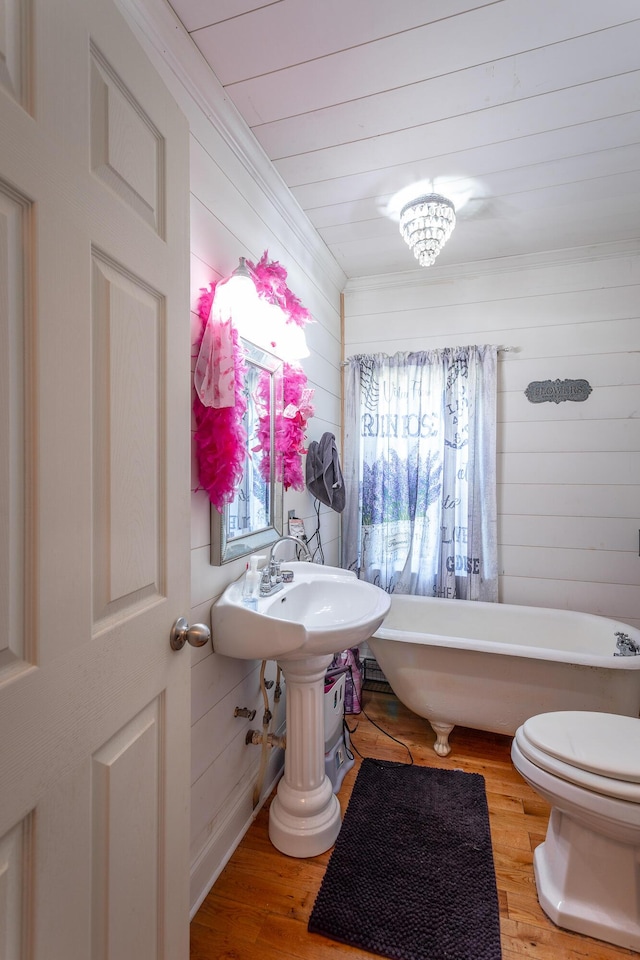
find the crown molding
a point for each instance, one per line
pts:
(428, 276)
(164, 38)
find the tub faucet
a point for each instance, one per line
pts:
(271, 580)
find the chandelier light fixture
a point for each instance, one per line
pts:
(426, 225)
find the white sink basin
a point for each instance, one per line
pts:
(325, 610)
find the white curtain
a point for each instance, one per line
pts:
(420, 472)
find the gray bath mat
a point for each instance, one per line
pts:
(411, 876)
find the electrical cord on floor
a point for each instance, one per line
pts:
(347, 738)
(382, 730)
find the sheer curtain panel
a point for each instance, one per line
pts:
(420, 472)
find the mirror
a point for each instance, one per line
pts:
(253, 519)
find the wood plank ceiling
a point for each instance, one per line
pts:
(529, 108)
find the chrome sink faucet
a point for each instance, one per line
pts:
(271, 580)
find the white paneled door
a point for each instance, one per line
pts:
(94, 491)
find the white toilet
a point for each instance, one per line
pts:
(587, 767)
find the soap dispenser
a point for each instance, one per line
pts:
(251, 586)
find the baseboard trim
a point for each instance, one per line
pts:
(215, 855)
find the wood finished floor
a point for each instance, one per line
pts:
(260, 905)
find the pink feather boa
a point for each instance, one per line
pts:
(290, 426)
(220, 436)
(270, 279)
(290, 429)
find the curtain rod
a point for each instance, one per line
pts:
(345, 363)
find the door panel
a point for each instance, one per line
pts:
(127, 813)
(94, 499)
(127, 151)
(128, 423)
(15, 887)
(15, 50)
(15, 251)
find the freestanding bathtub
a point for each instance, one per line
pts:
(491, 666)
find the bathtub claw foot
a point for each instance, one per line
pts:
(442, 731)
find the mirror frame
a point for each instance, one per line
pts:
(225, 549)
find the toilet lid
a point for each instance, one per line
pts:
(602, 743)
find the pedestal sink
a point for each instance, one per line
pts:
(323, 611)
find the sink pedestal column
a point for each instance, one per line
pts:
(304, 818)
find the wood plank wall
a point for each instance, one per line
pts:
(231, 218)
(568, 473)
(239, 207)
